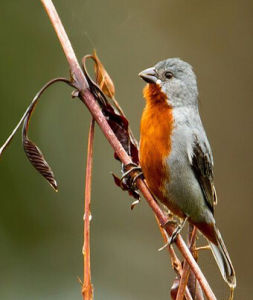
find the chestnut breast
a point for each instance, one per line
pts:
(155, 139)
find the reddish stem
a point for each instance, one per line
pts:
(87, 290)
(186, 268)
(90, 102)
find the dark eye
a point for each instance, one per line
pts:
(168, 75)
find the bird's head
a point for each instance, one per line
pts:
(176, 80)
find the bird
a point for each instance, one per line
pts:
(175, 154)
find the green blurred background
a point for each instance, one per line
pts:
(41, 231)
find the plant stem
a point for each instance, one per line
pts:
(186, 268)
(193, 284)
(87, 290)
(90, 102)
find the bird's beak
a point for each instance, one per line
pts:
(149, 75)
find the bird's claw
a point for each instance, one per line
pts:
(131, 172)
(129, 179)
(134, 203)
(171, 239)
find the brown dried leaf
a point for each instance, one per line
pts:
(134, 152)
(119, 125)
(37, 159)
(117, 121)
(33, 153)
(102, 77)
(115, 118)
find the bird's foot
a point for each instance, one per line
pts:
(131, 172)
(171, 239)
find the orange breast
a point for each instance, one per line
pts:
(155, 139)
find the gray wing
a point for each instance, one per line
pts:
(202, 166)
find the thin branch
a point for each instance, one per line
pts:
(90, 102)
(186, 268)
(87, 290)
(193, 284)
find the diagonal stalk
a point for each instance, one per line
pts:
(186, 268)
(193, 284)
(87, 289)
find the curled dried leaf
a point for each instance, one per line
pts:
(102, 77)
(37, 159)
(34, 154)
(114, 116)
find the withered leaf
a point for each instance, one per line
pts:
(117, 121)
(114, 116)
(37, 159)
(134, 152)
(119, 125)
(102, 77)
(33, 153)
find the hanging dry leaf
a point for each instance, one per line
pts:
(37, 159)
(32, 152)
(114, 116)
(120, 127)
(102, 77)
(118, 122)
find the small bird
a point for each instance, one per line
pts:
(175, 155)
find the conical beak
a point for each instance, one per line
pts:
(149, 75)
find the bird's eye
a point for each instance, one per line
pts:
(168, 75)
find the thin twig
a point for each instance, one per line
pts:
(186, 268)
(193, 284)
(87, 290)
(90, 102)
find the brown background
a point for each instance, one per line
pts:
(40, 231)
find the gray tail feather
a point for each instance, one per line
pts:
(223, 260)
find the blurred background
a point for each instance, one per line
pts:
(41, 231)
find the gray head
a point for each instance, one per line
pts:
(176, 79)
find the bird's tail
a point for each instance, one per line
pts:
(223, 260)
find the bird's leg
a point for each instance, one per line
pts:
(177, 230)
(171, 239)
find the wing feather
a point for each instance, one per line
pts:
(202, 166)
